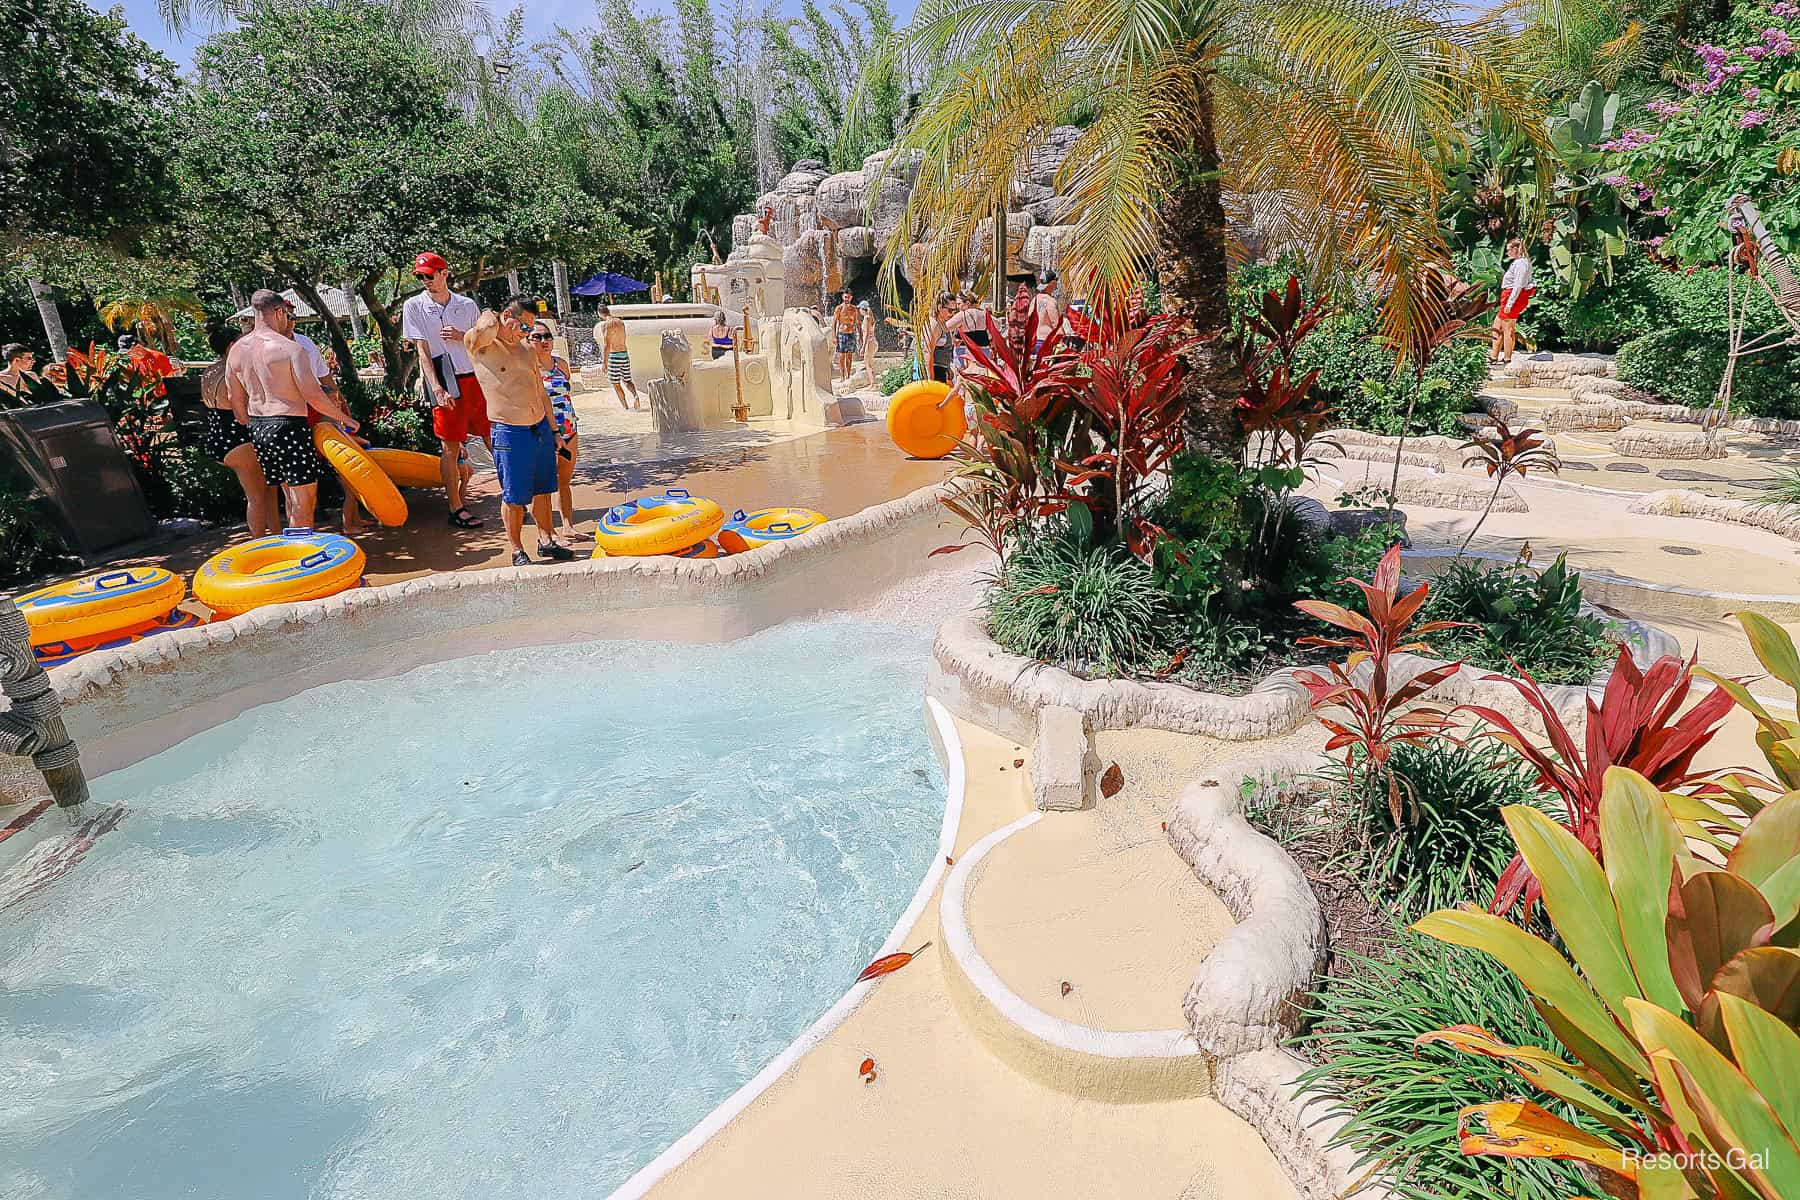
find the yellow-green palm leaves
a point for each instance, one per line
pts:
(1320, 119)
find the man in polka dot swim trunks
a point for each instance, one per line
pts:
(268, 373)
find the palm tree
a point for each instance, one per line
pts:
(150, 317)
(1322, 119)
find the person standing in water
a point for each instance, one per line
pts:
(1517, 287)
(268, 378)
(618, 358)
(436, 321)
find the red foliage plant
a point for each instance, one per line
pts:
(1379, 714)
(1133, 392)
(1275, 401)
(1634, 725)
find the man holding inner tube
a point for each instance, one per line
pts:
(268, 377)
(519, 415)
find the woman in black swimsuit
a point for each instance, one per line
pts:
(227, 438)
(943, 349)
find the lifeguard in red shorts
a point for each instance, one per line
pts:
(435, 321)
(1517, 287)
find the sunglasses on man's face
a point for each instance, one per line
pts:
(542, 337)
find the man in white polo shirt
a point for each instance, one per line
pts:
(435, 321)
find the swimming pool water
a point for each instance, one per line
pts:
(499, 927)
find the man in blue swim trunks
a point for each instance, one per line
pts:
(519, 413)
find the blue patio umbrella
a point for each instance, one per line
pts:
(605, 283)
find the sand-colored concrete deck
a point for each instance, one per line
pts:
(944, 1117)
(767, 462)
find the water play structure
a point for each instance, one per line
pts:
(294, 565)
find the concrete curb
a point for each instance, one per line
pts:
(1243, 1002)
(1096, 1064)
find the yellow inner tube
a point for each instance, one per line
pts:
(278, 570)
(656, 525)
(96, 605)
(746, 531)
(924, 420)
(408, 468)
(360, 474)
(706, 549)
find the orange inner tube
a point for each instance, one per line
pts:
(925, 420)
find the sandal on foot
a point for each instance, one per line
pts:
(462, 518)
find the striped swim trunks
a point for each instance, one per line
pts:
(618, 366)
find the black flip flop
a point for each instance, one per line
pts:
(462, 518)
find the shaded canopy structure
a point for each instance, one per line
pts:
(605, 283)
(335, 299)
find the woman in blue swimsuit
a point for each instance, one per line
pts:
(562, 416)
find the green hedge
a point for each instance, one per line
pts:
(1644, 298)
(1684, 366)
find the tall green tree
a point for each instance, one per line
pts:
(85, 133)
(318, 145)
(1325, 118)
(821, 58)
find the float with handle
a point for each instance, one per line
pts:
(925, 419)
(360, 473)
(297, 564)
(82, 614)
(760, 527)
(664, 524)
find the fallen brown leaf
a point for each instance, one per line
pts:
(1112, 781)
(887, 964)
(1067, 987)
(1018, 762)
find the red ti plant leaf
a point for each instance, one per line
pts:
(887, 964)
(1377, 713)
(1637, 723)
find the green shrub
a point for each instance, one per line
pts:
(1450, 844)
(1092, 609)
(1518, 616)
(1357, 377)
(1400, 1103)
(1684, 366)
(895, 378)
(192, 485)
(29, 543)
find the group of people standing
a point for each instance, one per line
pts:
(958, 321)
(489, 374)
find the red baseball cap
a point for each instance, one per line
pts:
(428, 263)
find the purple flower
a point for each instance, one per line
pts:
(1643, 194)
(1732, 69)
(1756, 53)
(1752, 119)
(1615, 180)
(1785, 9)
(1660, 212)
(1664, 108)
(1654, 242)
(1750, 94)
(1631, 139)
(1779, 43)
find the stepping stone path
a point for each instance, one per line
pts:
(1628, 468)
(1576, 465)
(1684, 475)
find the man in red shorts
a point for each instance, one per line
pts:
(435, 321)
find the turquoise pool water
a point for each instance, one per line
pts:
(500, 927)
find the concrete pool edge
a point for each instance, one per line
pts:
(122, 705)
(947, 744)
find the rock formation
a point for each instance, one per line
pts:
(832, 227)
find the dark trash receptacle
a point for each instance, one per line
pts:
(67, 451)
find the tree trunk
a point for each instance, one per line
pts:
(53, 326)
(394, 350)
(559, 271)
(356, 321)
(1192, 272)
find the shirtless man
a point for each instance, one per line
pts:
(1048, 307)
(844, 321)
(268, 377)
(618, 360)
(519, 412)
